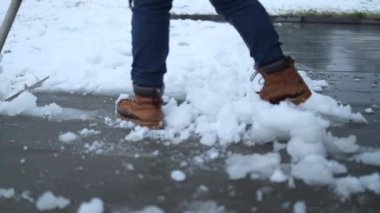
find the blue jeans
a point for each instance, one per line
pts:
(150, 35)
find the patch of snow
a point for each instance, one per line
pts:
(96, 147)
(316, 170)
(371, 182)
(208, 139)
(137, 134)
(259, 195)
(328, 106)
(26, 104)
(95, 205)
(278, 146)
(298, 149)
(369, 111)
(239, 166)
(67, 137)
(212, 154)
(370, 158)
(204, 207)
(178, 175)
(346, 186)
(345, 144)
(286, 6)
(278, 176)
(299, 207)
(48, 201)
(22, 160)
(150, 209)
(26, 195)
(88, 132)
(7, 193)
(178, 117)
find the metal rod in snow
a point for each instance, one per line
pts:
(8, 21)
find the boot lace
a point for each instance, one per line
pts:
(253, 76)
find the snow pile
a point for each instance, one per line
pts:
(150, 209)
(316, 170)
(7, 193)
(178, 175)
(204, 207)
(370, 158)
(26, 104)
(95, 205)
(96, 147)
(67, 137)
(48, 201)
(286, 6)
(346, 186)
(299, 207)
(88, 132)
(278, 176)
(256, 165)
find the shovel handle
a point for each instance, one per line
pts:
(8, 21)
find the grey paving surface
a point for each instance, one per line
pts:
(347, 56)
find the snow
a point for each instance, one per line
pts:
(346, 186)
(26, 104)
(26, 195)
(179, 117)
(96, 147)
(150, 209)
(286, 6)
(371, 182)
(48, 201)
(239, 166)
(88, 132)
(7, 193)
(370, 158)
(95, 205)
(67, 137)
(204, 207)
(317, 170)
(347, 145)
(178, 175)
(278, 176)
(208, 92)
(299, 207)
(369, 111)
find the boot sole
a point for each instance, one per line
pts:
(148, 124)
(300, 98)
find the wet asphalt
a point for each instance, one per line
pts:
(129, 176)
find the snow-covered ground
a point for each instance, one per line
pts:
(84, 46)
(278, 7)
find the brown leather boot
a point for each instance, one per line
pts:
(144, 108)
(282, 81)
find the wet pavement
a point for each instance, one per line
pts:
(132, 175)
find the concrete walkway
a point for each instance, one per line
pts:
(130, 176)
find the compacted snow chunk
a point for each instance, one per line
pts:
(95, 205)
(48, 201)
(7, 193)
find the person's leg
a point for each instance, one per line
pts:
(150, 48)
(150, 41)
(251, 20)
(255, 27)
